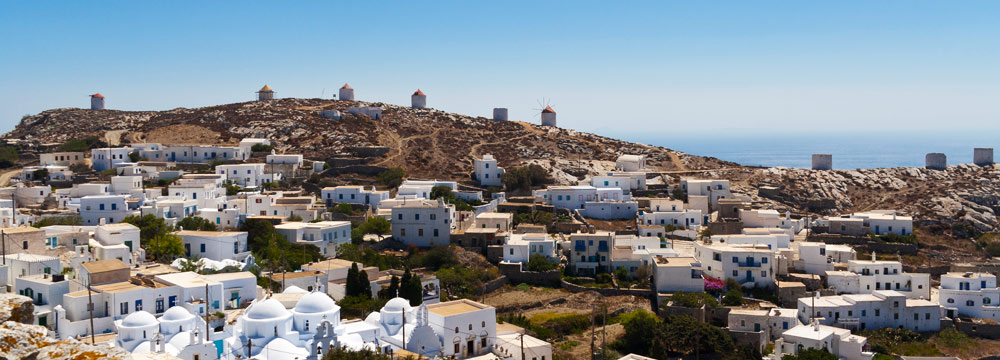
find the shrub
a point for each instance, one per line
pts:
(392, 177)
(261, 148)
(344, 208)
(58, 220)
(197, 223)
(694, 300)
(539, 263)
(525, 177)
(733, 298)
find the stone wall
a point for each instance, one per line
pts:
(671, 310)
(606, 291)
(493, 285)
(725, 227)
(756, 339)
(988, 331)
(891, 248)
(370, 170)
(367, 151)
(515, 275)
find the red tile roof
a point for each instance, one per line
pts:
(418, 92)
(97, 95)
(548, 109)
(346, 86)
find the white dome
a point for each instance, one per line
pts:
(176, 313)
(139, 319)
(397, 304)
(294, 290)
(268, 309)
(315, 302)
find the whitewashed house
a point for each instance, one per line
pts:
(970, 294)
(750, 265)
(326, 235)
(353, 194)
(712, 189)
(879, 309)
(98, 209)
(628, 162)
(818, 258)
(839, 342)
(62, 158)
(590, 252)
(673, 274)
(520, 247)
(868, 276)
(215, 245)
(424, 223)
(487, 171)
(247, 175)
(246, 146)
(106, 158)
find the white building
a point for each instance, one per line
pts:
(424, 223)
(673, 274)
(548, 116)
(839, 342)
(46, 291)
(62, 158)
(750, 265)
(326, 235)
(353, 194)
(215, 245)
(712, 189)
(880, 309)
(868, 276)
(487, 171)
(177, 333)
(590, 253)
(118, 241)
(685, 218)
(627, 162)
(24, 264)
(576, 197)
(246, 146)
(878, 222)
(520, 247)
(970, 294)
(494, 220)
(97, 102)
(96, 209)
(106, 158)
(818, 258)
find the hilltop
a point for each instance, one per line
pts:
(958, 202)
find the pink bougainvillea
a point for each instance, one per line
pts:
(713, 284)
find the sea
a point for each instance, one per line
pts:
(871, 150)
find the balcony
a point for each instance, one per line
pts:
(752, 264)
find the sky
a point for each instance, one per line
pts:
(615, 68)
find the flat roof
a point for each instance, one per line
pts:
(456, 307)
(118, 287)
(296, 275)
(209, 233)
(231, 276)
(331, 264)
(104, 265)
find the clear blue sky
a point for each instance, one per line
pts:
(650, 67)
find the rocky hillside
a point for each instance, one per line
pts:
(426, 142)
(435, 144)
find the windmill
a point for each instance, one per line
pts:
(546, 112)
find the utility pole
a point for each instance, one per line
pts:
(522, 346)
(591, 332)
(206, 313)
(3, 236)
(90, 306)
(604, 333)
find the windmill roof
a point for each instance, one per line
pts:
(346, 86)
(265, 88)
(418, 92)
(97, 95)
(548, 109)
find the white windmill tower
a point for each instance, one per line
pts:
(547, 113)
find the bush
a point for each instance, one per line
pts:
(8, 156)
(197, 223)
(80, 145)
(525, 177)
(694, 300)
(733, 298)
(392, 177)
(344, 208)
(58, 220)
(540, 263)
(261, 148)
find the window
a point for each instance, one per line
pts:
(420, 232)
(970, 303)
(763, 260)
(763, 273)
(735, 273)
(236, 248)
(416, 216)
(864, 313)
(202, 247)
(114, 206)
(124, 308)
(400, 216)
(402, 232)
(735, 260)
(435, 232)
(101, 206)
(877, 311)
(895, 316)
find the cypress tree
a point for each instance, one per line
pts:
(351, 286)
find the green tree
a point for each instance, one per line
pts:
(58, 220)
(134, 156)
(411, 289)
(640, 326)
(733, 298)
(684, 333)
(41, 175)
(391, 177)
(679, 194)
(231, 189)
(165, 246)
(344, 208)
(539, 263)
(525, 177)
(811, 354)
(8, 156)
(441, 191)
(392, 290)
(351, 287)
(196, 223)
(364, 286)
(261, 148)
(377, 226)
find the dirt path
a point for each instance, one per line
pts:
(6, 176)
(399, 145)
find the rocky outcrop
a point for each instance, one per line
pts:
(19, 339)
